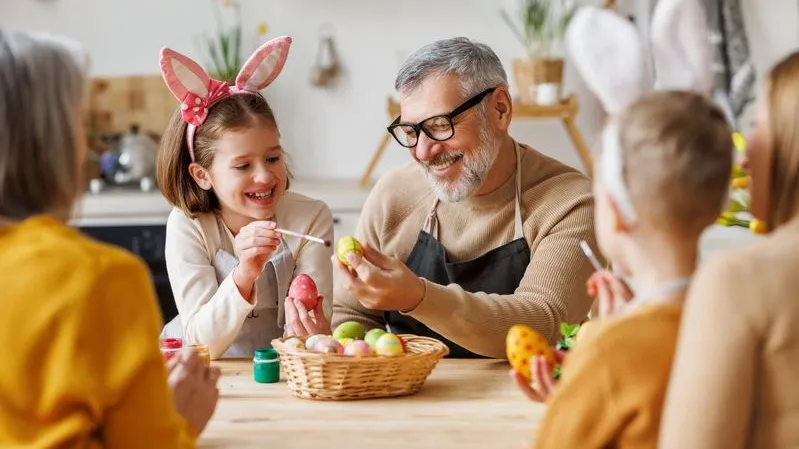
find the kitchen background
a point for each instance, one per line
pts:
(331, 132)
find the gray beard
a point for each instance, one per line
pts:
(475, 169)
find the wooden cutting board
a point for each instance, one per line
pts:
(116, 103)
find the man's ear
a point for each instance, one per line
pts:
(501, 106)
(200, 176)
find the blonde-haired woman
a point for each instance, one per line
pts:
(79, 323)
(734, 381)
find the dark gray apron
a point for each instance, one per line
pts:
(498, 271)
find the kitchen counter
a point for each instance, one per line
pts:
(130, 206)
(463, 404)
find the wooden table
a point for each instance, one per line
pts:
(464, 404)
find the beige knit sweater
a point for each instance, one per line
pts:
(557, 211)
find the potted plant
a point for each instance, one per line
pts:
(224, 48)
(540, 26)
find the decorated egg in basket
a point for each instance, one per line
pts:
(389, 345)
(358, 348)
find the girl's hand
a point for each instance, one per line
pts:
(193, 388)
(254, 245)
(300, 323)
(543, 384)
(612, 292)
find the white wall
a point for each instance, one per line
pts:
(332, 133)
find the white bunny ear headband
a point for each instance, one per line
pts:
(612, 58)
(197, 92)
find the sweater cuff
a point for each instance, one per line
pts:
(434, 300)
(238, 303)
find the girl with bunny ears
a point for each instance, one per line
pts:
(661, 178)
(222, 166)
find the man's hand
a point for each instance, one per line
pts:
(380, 282)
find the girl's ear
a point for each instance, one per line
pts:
(264, 65)
(200, 176)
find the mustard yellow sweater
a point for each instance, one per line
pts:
(614, 382)
(79, 331)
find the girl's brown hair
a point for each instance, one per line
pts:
(783, 104)
(172, 169)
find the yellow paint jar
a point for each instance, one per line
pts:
(203, 351)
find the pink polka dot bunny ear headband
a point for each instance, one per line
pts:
(197, 92)
(619, 68)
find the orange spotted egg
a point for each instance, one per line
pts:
(521, 344)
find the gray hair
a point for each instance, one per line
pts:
(475, 64)
(42, 87)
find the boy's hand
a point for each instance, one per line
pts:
(543, 383)
(613, 293)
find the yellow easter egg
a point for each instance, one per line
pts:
(758, 226)
(740, 183)
(521, 344)
(389, 345)
(347, 245)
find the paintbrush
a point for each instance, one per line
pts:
(590, 255)
(304, 236)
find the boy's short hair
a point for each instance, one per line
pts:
(677, 149)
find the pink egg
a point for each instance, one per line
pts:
(304, 289)
(359, 348)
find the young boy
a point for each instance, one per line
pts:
(677, 150)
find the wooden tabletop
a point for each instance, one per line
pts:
(464, 404)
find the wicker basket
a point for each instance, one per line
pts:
(334, 377)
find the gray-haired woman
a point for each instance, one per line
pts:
(79, 319)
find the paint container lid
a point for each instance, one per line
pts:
(265, 354)
(171, 343)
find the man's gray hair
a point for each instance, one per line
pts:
(475, 64)
(42, 86)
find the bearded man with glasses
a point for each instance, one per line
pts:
(478, 232)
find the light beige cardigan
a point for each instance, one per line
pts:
(735, 379)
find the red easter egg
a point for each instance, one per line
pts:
(304, 289)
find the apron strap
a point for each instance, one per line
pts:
(226, 245)
(518, 231)
(431, 222)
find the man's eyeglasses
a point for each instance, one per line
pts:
(439, 127)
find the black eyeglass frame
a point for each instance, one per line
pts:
(419, 127)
